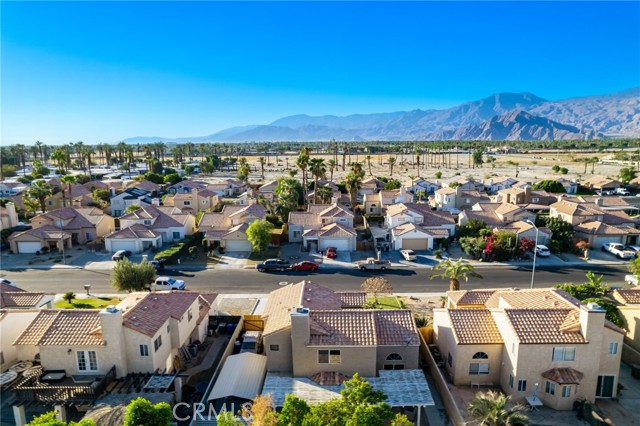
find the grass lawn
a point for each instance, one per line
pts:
(92, 303)
(386, 302)
(269, 253)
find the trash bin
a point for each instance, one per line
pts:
(230, 328)
(193, 350)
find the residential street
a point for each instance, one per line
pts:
(250, 281)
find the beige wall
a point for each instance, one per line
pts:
(135, 362)
(59, 358)
(105, 226)
(353, 359)
(281, 360)
(631, 316)
(410, 356)
(11, 326)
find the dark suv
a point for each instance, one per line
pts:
(273, 265)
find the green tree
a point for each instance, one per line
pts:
(227, 418)
(102, 195)
(69, 296)
(562, 232)
(141, 412)
(244, 170)
(332, 166)
(555, 168)
(293, 411)
(259, 234)
(172, 179)
(40, 191)
(50, 419)
(549, 185)
(262, 162)
(393, 184)
(289, 192)
(132, 208)
(353, 183)
(477, 157)
(454, 272)
(127, 276)
(472, 228)
(438, 174)
(391, 161)
(627, 174)
(492, 409)
(318, 171)
(68, 180)
(154, 177)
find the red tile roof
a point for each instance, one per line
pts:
(152, 311)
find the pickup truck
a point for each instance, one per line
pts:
(273, 265)
(631, 279)
(618, 250)
(372, 264)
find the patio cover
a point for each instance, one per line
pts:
(404, 388)
(242, 376)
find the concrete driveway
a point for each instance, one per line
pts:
(233, 260)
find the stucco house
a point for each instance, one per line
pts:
(528, 198)
(311, 329)
(600, 183)
(198, 200)
(412, 226)
(496, 214)
(73, 225)
(499, 183)
(143, 333)
(455, 200)
(228, 229)
(316, 216)
(186, 187)
(377, 203)
(170, 222)
(12, 323)
(414, 186)
(629, 308)
(16, 298)
(227, 187)
(527, 230)
(80, 197)
(267, 190)
(570, 186)
(129, 197)
(8, 216)
(135, 238)
(528, 342)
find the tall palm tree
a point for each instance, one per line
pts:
(593, 161)
(303, 163)
(69, 180)
(353, 182)
(40, 190)
(391, 161)
(455, 271)
(261, 160)
(318, 170)
(333, 165)
(490, 409)
(368, 158)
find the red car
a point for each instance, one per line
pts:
(332, 252)
(305, 265)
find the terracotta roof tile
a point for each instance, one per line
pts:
(628, 297)
(146, 185)
(331, 230)
(4, 287)
(474, 326)
(599, 228)
(329, 378)
(564, 376)
(395, 328)
(304, 218)
(352, 299)
(63, 327)
(153, 310)
(542, 326)
(19, 299)
(134, 231)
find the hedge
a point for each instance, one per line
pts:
(173, 253)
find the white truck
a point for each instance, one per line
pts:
(372, 264)
(631, 279)
(618, 250)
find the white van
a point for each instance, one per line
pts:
(251, 342)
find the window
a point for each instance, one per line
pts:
(147, 222)
(476, 368)
(564, 354)
(297, 234)
(187, 203)
(550, 388)
(328, 356)
(604, 389)
(394, 357)
(274, 348)
(566, 391)
(89, 236)
(522, 385)
(511, 381)
(480, 355)
(157, 343)
(613, 348)
(168, 326)
(144, 350)
(86, 361)
(176, 235)
(394, 362)
(450, 360)
(189, 315)
(513, 348)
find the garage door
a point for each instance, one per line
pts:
(341, 245)
(25, 247)
(600, 241)
(238, 245)
(415, 244)
(124, 245)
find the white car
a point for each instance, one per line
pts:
(542, 251)
(618, 250)
(168, 283)
(408, 254)
(7, 282)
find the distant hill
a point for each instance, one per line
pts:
(513, 116)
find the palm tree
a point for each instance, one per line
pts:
(490, 409)
(31, 205)
(303, 162)
(391, 161)
(324, 194)
(332, 166)
(455, 271)
(368, 158)
(69, 180)
(593, 161)
(353, 183)
(318, 170)
(40, 190)
(261, 161)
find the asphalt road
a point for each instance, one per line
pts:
(405, 280)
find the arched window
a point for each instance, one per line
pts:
(394, 357)
(480, 355)
(393, 362)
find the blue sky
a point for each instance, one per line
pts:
(104, 71)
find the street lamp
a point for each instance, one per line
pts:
(535, 252)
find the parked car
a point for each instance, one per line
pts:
(618, 250)
(168, 283)
(7, 282)
(120, 254)
(408, 254)
(158, 264)
(273, 265)
(305, 265)
(635, 249)
(372, 264)
(631, 279)
(332, 252)
(543, 251)
(622, 191)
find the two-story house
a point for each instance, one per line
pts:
(496, 184)
(227, 187)
(198, 200)
(131, 196)
(78, 197)
(322, 226)
(528, 198)
(8, 216)
(496, 214)
(600, 183)
(377, 203)
(411, 226)
(70, 225)
(629, 308)
(539, 342)
(228, 228)
(415, 186)
(458, 199)
(267, 190)
(170, 222)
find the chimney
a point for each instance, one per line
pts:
(155, 201)
(300, 335)
(112, 190)
(599, 201)
(458, 190)
(592, 324)
(113, 335)
(13, 216)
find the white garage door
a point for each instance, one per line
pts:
(341, 245)
(604, 240)
(25, 247)
(123, 245)
(238, 245)
(415, 244)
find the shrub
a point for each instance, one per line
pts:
(173, 253)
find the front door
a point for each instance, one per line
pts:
(605, 386)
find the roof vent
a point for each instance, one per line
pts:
(594, 307)
(112, 309)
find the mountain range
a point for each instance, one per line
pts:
(502, 116)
